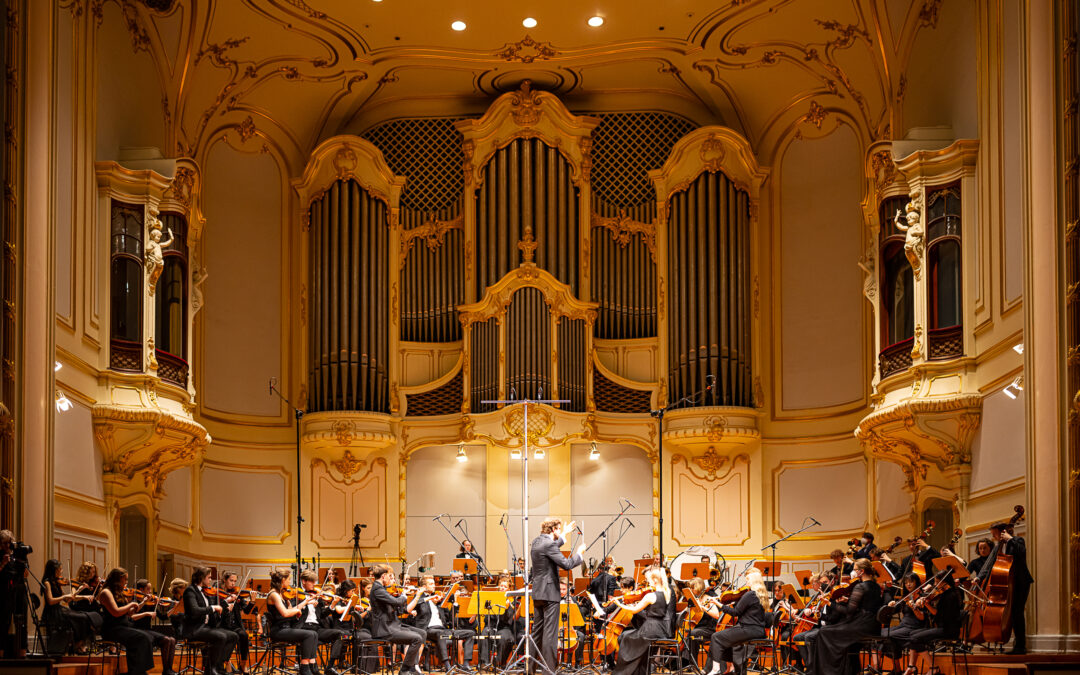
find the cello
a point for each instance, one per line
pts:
(607, 643)
(994, 622)
(917, 567)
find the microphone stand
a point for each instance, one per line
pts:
(299, 415)
(480, 566)
(513, 553)
(773, 545)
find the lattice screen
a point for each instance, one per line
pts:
(444, 400)
(427, 151)
(626, 145)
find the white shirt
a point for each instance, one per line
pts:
(436, 620)
(309, 615)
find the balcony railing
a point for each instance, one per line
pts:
(125, 356)
(895, 358)
(945, 343)
(172, 368)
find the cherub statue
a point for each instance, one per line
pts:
(155, 260)
(197, 278)
(913, 242)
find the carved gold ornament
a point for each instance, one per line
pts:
(246, 129)
(710, 462)
(432, 233)
(343, 430)
(623, 228)
(527, 50)
(348, 465)
(345, 162)
(527, 245)
(540, 422)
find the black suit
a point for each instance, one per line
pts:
(444, 634)
(547, 560)
(1021, 588)
(199, 616)
(385, 624)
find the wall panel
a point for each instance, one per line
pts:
(240, 503)
(621, 472)
(710, 507)
(804, 488)
(79, 461)
(339, 504)
(437, 483)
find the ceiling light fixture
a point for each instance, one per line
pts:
(62, 402)
(596, 21)
(458, 26)
(1019, 348)
(529, 22)
(515, 453)
(594, 454)
(461, 456)
(538, 453)
(57, 366)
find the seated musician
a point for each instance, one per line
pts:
(841, 563)
(897, 636)
(578, 640)
(634, 642)
(434, 620)
(117, 626)
(983, 549)
(749, 611)
(857, 619)
(57, 614)
(385, 624)
(781, 612)
(232, 617)
(351, 612)
(87, 584)
(816, 611)
(165, 643)
(316, 618)
(604, 584)
(176, 614)
(200, 617)
(706, 625)
(945, 614)
(879, 555)
(501, 630)
(283, 614)
(920, 552)
(467, 551)
(1021, 579)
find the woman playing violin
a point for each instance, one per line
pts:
(634, 643)
(86, 587)
(944, 608)
(897, 636)
(117, 614)
(158, 607)
(57, 613)
(749, 608)
(282, 617)
(232, 615)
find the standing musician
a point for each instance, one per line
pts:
(749, 610)
(858, 619)
(117, 627)
(166, 644)
(945, 612)
(232, 617)
(200, 616)
(547, 560)
(983, 549)
(57, 614)
(434, 620)
(316, 618)
(1008, 544)
(385, 624)
(283, 617)
(866, 542)
(634, 642)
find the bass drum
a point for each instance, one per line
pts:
(688, 564)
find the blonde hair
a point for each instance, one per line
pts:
(87, 571)
(757, 584)
(656, 573)
(176, 587)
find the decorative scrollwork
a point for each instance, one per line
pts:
(348, 465)
(432, 233)
(527, 50)
(623, 228)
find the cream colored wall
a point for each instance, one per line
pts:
(941, 76)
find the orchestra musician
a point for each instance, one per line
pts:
(841, 563)
(982, 549)
(176, 614)
(879, 555)
(283, 617)
(945, 612)
(706, 625)
(634, 642)
(503, 629)
(897, 637)
(117, 627)
(56, 612)
(385, 624)
(579, 635)
(1008, 544)
(467, 551)
(232, 617)
(200, 617)
(749, 610)
(819, 589)
(166, 644)
(434, 620)
(87, 584)
(604, 584)
(858, 614)
(316, 618)
(866, 543)
(547, 560)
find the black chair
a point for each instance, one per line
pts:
(105, 648)
(663, 653)
(273, 648)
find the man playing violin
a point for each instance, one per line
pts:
(385, 624)
(315, 617)
(199, 618)
(434, 620)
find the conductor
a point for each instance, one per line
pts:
(547, 559)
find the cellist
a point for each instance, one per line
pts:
(1007, 544)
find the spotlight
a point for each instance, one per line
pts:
(538, 453)
(596, 21)
(62, 402)
(57, 366)
(515, 453)
(1009, 393)
(1017, 385)
(529, 22)
(458, 26)
(461, 456)
(594, 454)
(1019, 348)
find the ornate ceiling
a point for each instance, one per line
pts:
(290, 73)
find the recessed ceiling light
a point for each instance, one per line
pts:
(596, 21)
(529, 22)
(458, 26)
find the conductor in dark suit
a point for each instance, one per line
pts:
(547, 560)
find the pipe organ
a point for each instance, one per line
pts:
(536, 239)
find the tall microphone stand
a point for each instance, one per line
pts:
(299, 414)
(772, 565)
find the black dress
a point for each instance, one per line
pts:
(898, 636)
(283, 629)
(59, 616)
(138, 644)
(634, 643)
(858, 619)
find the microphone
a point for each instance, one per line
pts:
(513, 394)
(815, 521)
(710, 379)
(628, 502)
(272, 383)
(459, 523)
(440, 516)
(540, 392)
(627, 520)
(502, 519)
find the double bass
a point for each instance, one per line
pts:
(992, 622)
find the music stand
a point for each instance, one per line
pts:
(483, 604)
(690, 570)
(581, 584)
(804, 577)
(883, 571)
(467, 566)
(768, 569)
(639, 568)
(959, 572)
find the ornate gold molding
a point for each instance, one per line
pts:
(709, 149)
(431, 232)
(349, 157)
(527, 50)
(558, 296)
(623, 228)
